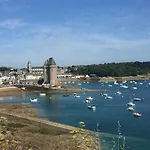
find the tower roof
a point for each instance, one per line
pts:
(50, 61)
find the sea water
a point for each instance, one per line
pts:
(70, 110)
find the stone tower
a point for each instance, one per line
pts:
(50, 72)
(29, 67)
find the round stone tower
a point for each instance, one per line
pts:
(29, 67)
(50, 72)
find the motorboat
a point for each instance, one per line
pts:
(34, 100)
(42, 94)
(137, 99)
(110, 85)
(89, 98)
(131, 104)
(92, 107)
(130, 108)
(137, 114)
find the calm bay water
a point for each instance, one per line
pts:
(70, 110)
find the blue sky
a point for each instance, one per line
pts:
(74, 31)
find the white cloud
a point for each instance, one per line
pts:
(11, 23)
(74, 47)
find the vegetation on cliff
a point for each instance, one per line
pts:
(112, 69)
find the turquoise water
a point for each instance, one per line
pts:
(70, 110)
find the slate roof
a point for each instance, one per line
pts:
(49, 62)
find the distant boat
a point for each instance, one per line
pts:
(110, 85)
(130, 108)
(137, 99)
(118, 92)
(34, 100)
(124, 81)
(23, 88)
(134, 88)
(115, 83)
(79, 84)
(137, 114)
(141, 83)
(87, 101)
(109, 97)
(89, 98)
(124, 86)
(131, 104)
(42, 94)
(92, 107)
(105, 94)
(77, 96)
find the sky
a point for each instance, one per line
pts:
(74, 32)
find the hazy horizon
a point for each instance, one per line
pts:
(73, 32)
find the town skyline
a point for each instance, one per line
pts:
(73, 32)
